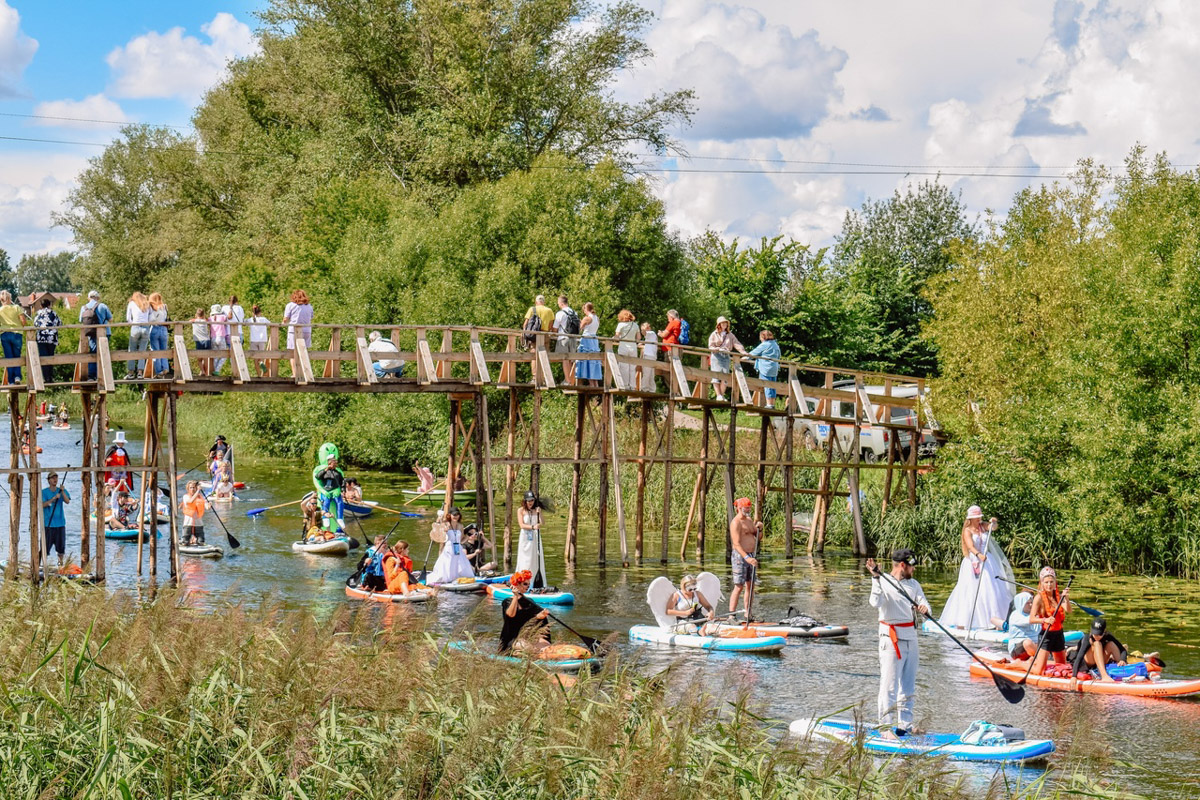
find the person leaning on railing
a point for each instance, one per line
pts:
(12, 319)
(47, 323)
(94, 313)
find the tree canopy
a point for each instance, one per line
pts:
(46, 272)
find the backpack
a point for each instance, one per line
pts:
(572, 326)
(685, 332)
(88, 316)
(532, 325)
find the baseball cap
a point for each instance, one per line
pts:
(904, 556)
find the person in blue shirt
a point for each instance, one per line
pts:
(766, 361)
(54, 515)
(94, 313)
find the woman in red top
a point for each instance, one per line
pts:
(670, 334)
(1049, 609)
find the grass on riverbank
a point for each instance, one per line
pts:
(107, 698)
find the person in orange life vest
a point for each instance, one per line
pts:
(118, 457)
(899, 656)
(397, 569)
(1049, 609)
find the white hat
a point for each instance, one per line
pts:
(216, 308)
(93, 295)
(120, 438)
(974, 512)
(722, 319)
(374, 337)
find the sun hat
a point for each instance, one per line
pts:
(722, 319)
(93, 295)
(974, 512)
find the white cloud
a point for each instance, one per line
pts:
(34, 184)
(90, 112)
(172, 64)
(16, 50)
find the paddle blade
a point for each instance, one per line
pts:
(1089, 610)
(254, 512)
(410, 514)
(354, 543)
(1012, 692)
(234, 544)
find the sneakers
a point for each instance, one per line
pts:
(129, 376)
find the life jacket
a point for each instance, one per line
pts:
(395, 572)
(117, 457)
(1049, 603)
(375, 565)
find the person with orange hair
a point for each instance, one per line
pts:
(518, 611)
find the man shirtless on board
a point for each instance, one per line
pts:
(744, 534)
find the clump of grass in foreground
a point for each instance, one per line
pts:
(104, 698)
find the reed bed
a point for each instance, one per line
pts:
(107, 697)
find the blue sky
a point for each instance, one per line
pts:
(805, 108)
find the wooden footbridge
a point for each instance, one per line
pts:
(467, 364)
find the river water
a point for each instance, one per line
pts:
(1149, 746)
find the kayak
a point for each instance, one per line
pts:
(461, 585)
(555, 658)
(1150, 688)
(200, 550)
(463, 497)
(993, 635)
(127, 535)
(360, 510)
(337, 546)
(502, 591)
(387, 597)
(794, 631)
(949, 745)
(735, 644)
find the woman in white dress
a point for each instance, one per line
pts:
(452, 562)
(650, 353)
(529, 549)
(978, 596)
(627, 339)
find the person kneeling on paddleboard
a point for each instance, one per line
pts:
(1022, 635)
(690, 605)
(518, 611)
(899, 656)
(397, 569)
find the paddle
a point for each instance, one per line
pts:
(1091, 612)
(401, 513)
(418, 497)
(1013, 692)
(588, 641)
(254, 512)
(428, 550)
(992, 525)
(753, 577)
(1042, 638)
(234, 544)
(179, 477)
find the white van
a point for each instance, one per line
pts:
(873, 440)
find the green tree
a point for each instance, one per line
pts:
(887, 252)
(46, 273)
(8, 280)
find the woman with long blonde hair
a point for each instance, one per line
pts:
(158, 333)
(137, 311)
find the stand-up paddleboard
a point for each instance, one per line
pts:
(127, 535)
(502, 591)
(673, 631)
(555, 657)
(200, 550)
(416, 596)
(992, 635)
(461, 585)
(949, 745)
(337, 546)
(1015, 670)
(791, 631)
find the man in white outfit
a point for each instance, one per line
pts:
(899, 656)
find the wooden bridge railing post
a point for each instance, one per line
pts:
(668, 467)
(101, 420)
(576, 479)
(640, 501)
(173, 470)
(702, 522)
(85, 484)
(510, 473)
(37, 541)
(15, 484)
(788, 477)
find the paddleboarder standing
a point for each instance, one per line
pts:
(899, 655)
(744, 533)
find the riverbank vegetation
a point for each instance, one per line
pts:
(147, 698)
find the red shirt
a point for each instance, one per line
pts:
(671, 334)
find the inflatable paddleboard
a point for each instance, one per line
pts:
(387, 597)
(461, 585)
(791, 631)
(992, 635)
(555, 658)
(755, 644)
(200, 550)
(1162, 687)
(127, 535)
(949, 745)
(337, 546)
(555, 598)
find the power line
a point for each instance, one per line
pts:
(95, 121)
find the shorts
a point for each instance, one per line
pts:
(566, 344)
(193, 531)
(742, 572)
(257, 346)
(374, 583)
(720, 362)
(1054, 641)
(1016, 646)
(204, 345)
(56, 539)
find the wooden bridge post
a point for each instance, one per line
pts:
(788, 477)
(668, 468)
(37, 542)
(860, 541)
(640, 500)
(15, 484)
(576, 479)
(816, 536)
(535, 468)
(173, 485)
(85, 484)
(485, 435)
(730, 477)
(760, 478)
(602, 535)
(452, 458)
(615, 455)
(510, 475)
(147, 442)
(916, 442)
(99, 440)
(702, 522)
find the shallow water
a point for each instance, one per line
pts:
(1151, 746)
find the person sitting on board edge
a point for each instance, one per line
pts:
(899, 655)
(1049, 609)
(223, 483)
(329, 481)
(1101, 654)
(690, 605)
(1022, 634)
(353, 491)
(54, 519)
(398, 569)
(744, 534)
(192, 509)
(518, 611)
(373, 578)
(64, 415)
(473, 544)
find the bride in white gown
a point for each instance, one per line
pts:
(978, 596)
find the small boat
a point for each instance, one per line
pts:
(992, 635)
(44, 417)
(127, 535)
(353, 510)
(1152, 687)
(1016, 749)
(460, 585)
(555, 657)
(667, 630)
(463, 497)
(359, 593)
(548, 596)
(57, 427)
(337, 546)
(200, 550)
(25, 449)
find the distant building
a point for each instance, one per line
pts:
(32, 302)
